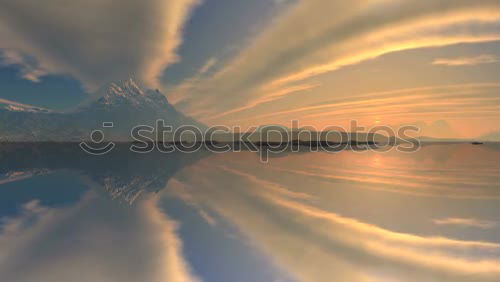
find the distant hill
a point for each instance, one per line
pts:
(492, 137)
(276, 133)
(443, 140)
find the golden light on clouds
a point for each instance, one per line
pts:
(291, 218)
(277, 66)
(145, 242)
(466, 61)
(94, 41)
(467, 101)
(285, 67)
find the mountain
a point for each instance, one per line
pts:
(492, 137)
(443, 140)
(279, 133)
(124, 103)
(122, 174)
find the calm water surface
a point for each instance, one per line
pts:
(348, 216)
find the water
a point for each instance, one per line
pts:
(347, 216)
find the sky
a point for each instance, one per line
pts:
(434, 64)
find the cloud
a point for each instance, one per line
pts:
(72, 244)
(337, 34)
(466, 222)
(208, 65)
(437, 129)
(94, 41)
(29, 68)
(17, 105)
(491, 136)
(430, 103)
(281, 2)
(467, 61)
(303, 237)
(21, 175)
(178, 93)
(179, 192)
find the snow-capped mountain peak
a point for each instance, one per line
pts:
(127, 90)
(123, 103)
(132, 86)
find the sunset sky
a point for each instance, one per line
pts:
(435, 64)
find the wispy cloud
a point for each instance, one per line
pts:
(313, 243)
(29, 68)
(94, 41)
(179, 92)
(208, 65)
(467, 61)
(455, 101)
(466, 222)
(289, 51)
(16, 105)
(145, 232)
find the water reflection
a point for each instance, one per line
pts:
(345, 216)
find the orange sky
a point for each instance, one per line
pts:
(434, 64)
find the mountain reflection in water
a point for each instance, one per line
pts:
(345, 216)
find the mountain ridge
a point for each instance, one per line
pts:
(123, 103)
